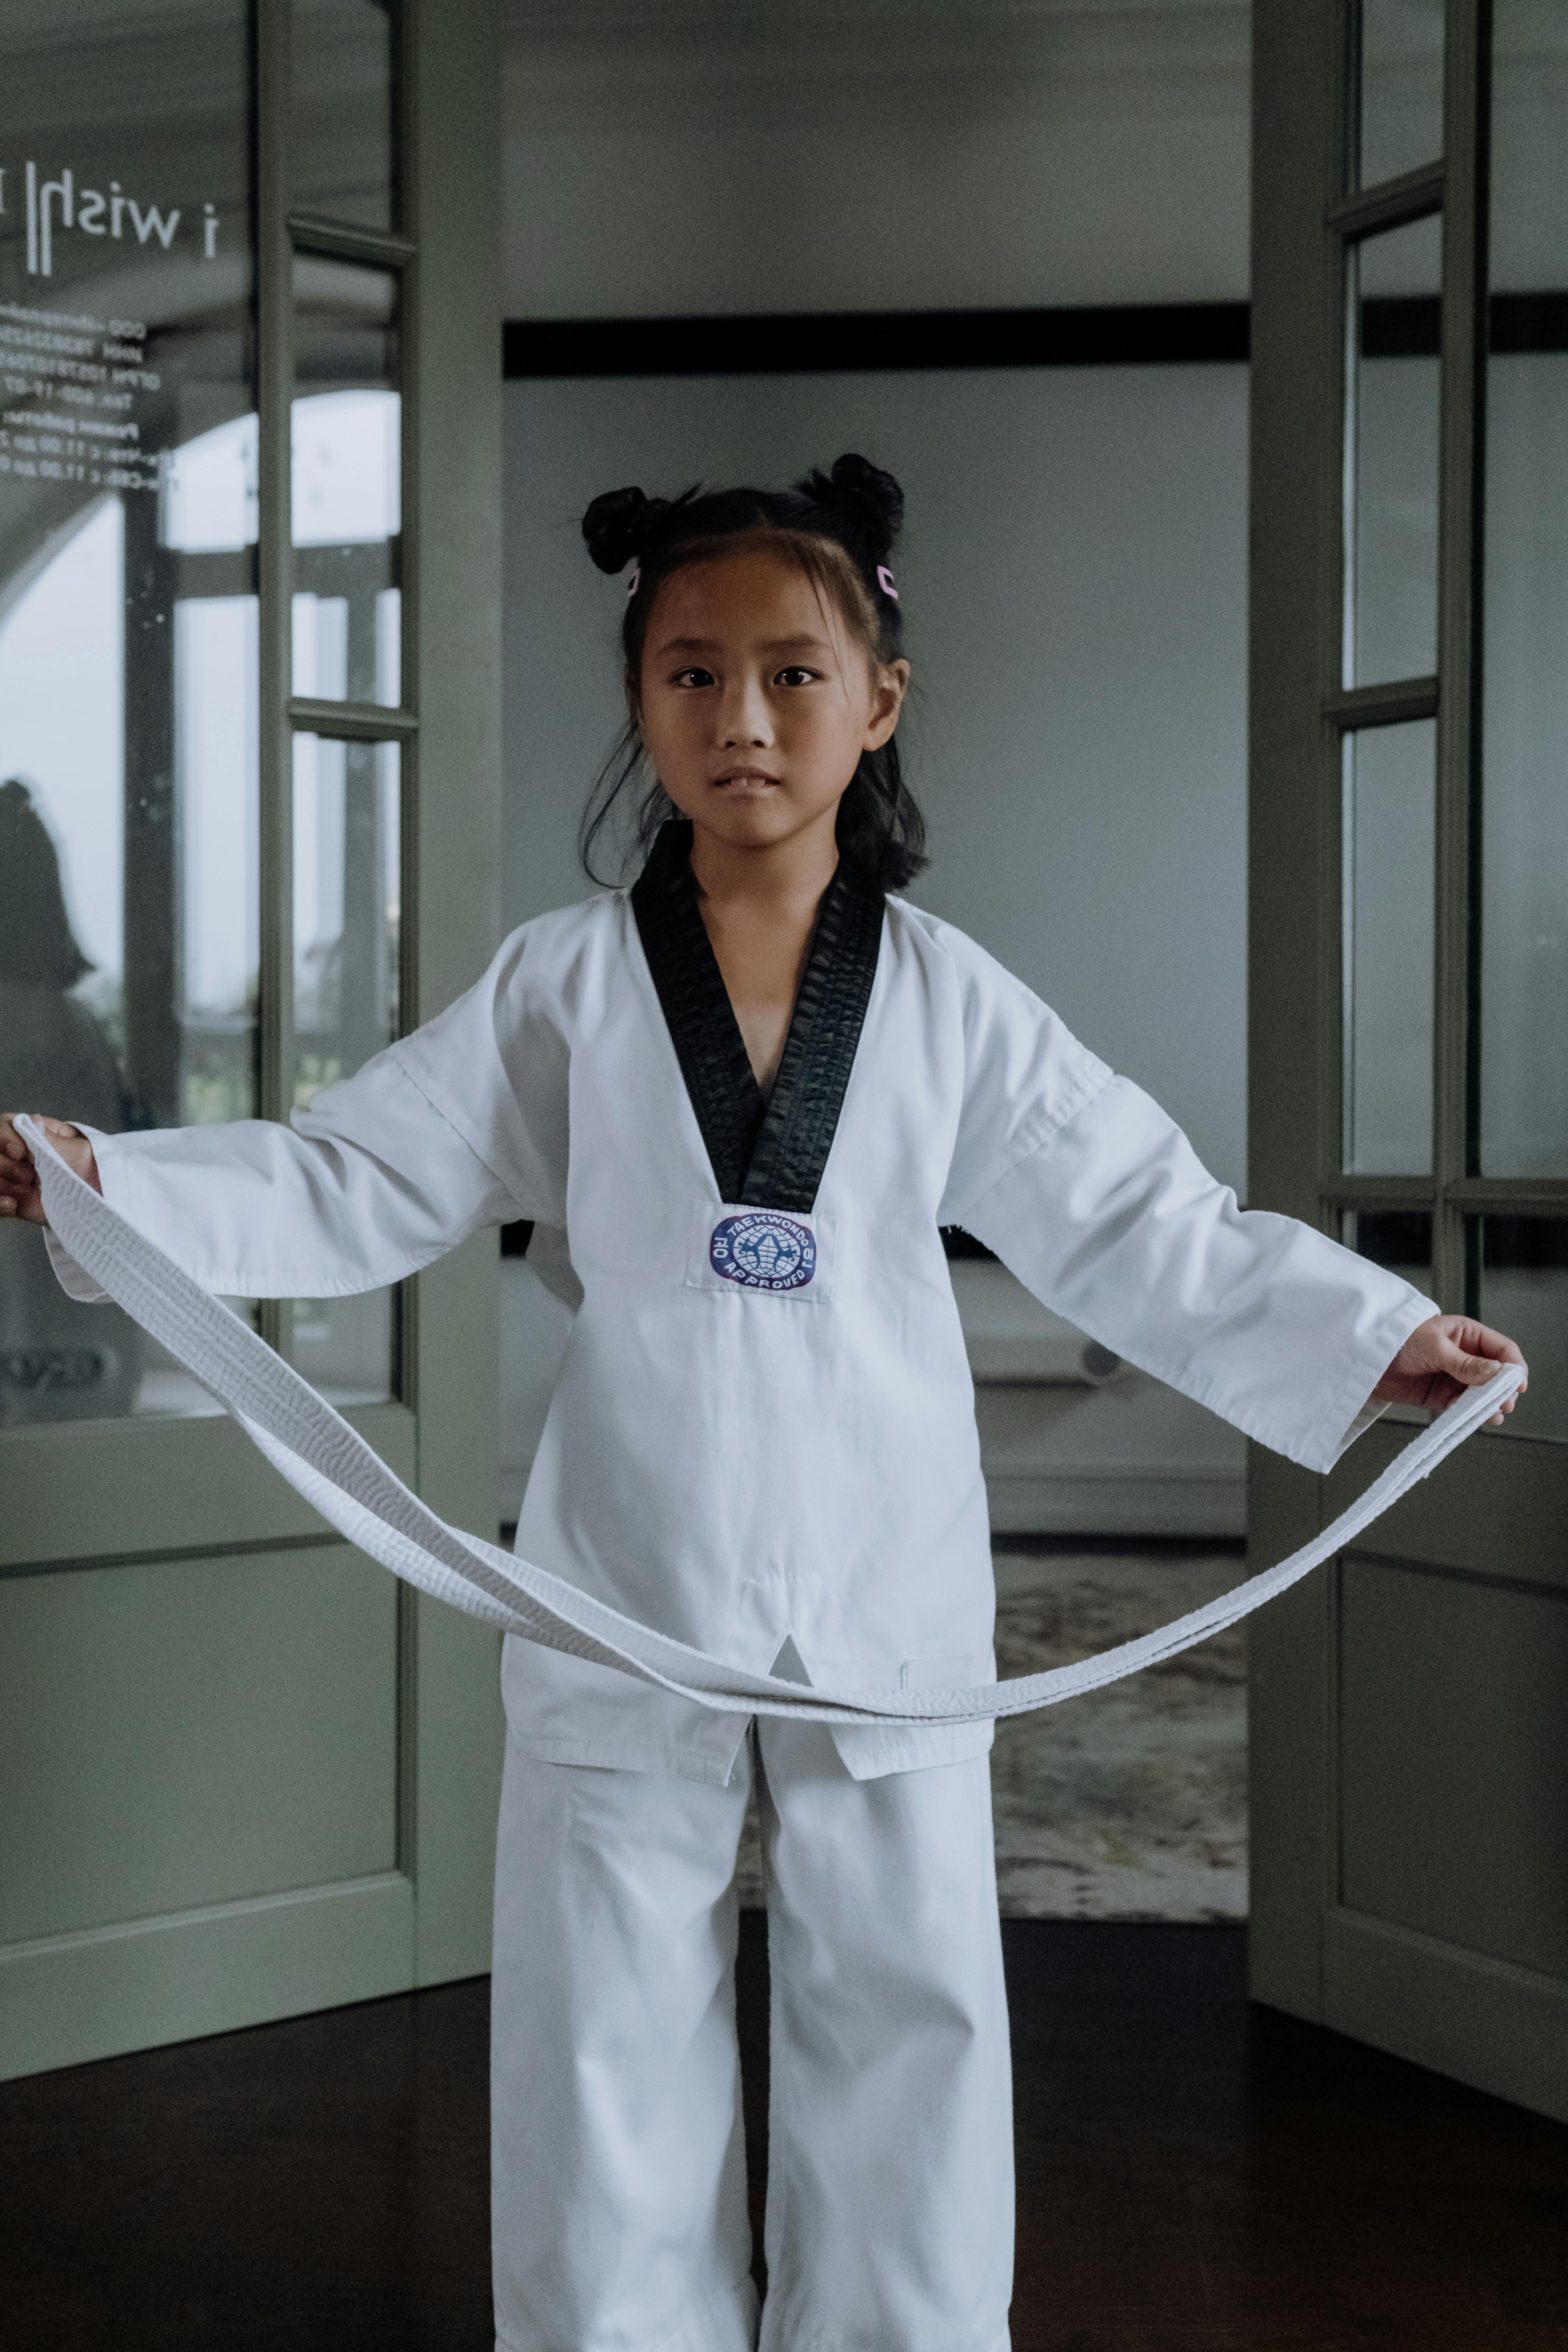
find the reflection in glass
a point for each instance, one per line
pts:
(56, 1363)
(1401, 87)
(218, 798)
(1524, 1292)
(62, 727)
(1524, 848)
(344, 78)
(346, 905)
(1389, 835)
(1390, 455)
(127, 623)
(210, 490)
(347, 819)
(347, 484)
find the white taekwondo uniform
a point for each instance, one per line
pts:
(762, 1442)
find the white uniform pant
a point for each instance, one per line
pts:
(619, 2173)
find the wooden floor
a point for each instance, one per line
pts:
(1194, 2177)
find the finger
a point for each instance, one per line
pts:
(1466, 1363)
(1476, 1371)
(1480, 1339)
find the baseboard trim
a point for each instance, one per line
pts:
(134, 1984)
(1486, 2022)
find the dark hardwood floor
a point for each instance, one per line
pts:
(1194, 2176)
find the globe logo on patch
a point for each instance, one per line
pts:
(763, 1251)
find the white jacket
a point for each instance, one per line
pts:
(741, 1452)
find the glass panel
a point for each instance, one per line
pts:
(347, 822)
(1400, 1239)
(1390, 455)
(1524, 1292)
(344, 161)
(1524, 846)
(216, 790)
(1401, 87)
(1390, 800)
(128, 870)
(347, 484)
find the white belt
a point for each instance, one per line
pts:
(343, 1479)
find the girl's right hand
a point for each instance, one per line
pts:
(19, 1193)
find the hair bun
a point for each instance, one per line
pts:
(868, 497)
(614, 527)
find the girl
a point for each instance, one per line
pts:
(738, 1101)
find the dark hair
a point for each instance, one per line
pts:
(840, 528)
(35, 942)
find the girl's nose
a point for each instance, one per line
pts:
(746, 718)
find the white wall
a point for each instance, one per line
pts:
(1075, 558)
(1074, 566)
(694, 156)
(1073, 577)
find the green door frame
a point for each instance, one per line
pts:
(1472, 2014)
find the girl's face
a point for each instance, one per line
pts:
(756, 699)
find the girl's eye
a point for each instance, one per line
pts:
(794, 676)
(692, 678)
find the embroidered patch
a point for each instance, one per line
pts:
(761, 1249)
(733, 1247)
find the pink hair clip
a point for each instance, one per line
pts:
(885, 582)
(632, 583)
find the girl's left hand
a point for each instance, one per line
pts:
(1444, 1357)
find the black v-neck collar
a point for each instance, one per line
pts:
(766, 1153)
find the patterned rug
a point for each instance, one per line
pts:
(1130, 1803)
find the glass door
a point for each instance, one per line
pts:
(1409, 853)
(221, 1725)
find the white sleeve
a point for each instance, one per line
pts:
(360, 1191)
(1097, 1201)
(381, 1175)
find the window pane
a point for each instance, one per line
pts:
(1524, 1292)
(1391, 456)
(1524, 847)
(344, 158)
(128, 889)
(1400, 1239)
(347, 484)
(219, 800)
(347, 822)
(1390, 774)
(1401, 87)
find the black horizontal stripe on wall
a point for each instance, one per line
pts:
(1393, 326)
(1515, 1244)
(826, 343)
(1394, 1236)
(1408, 326)
(1528, 322)
(1401, 327)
